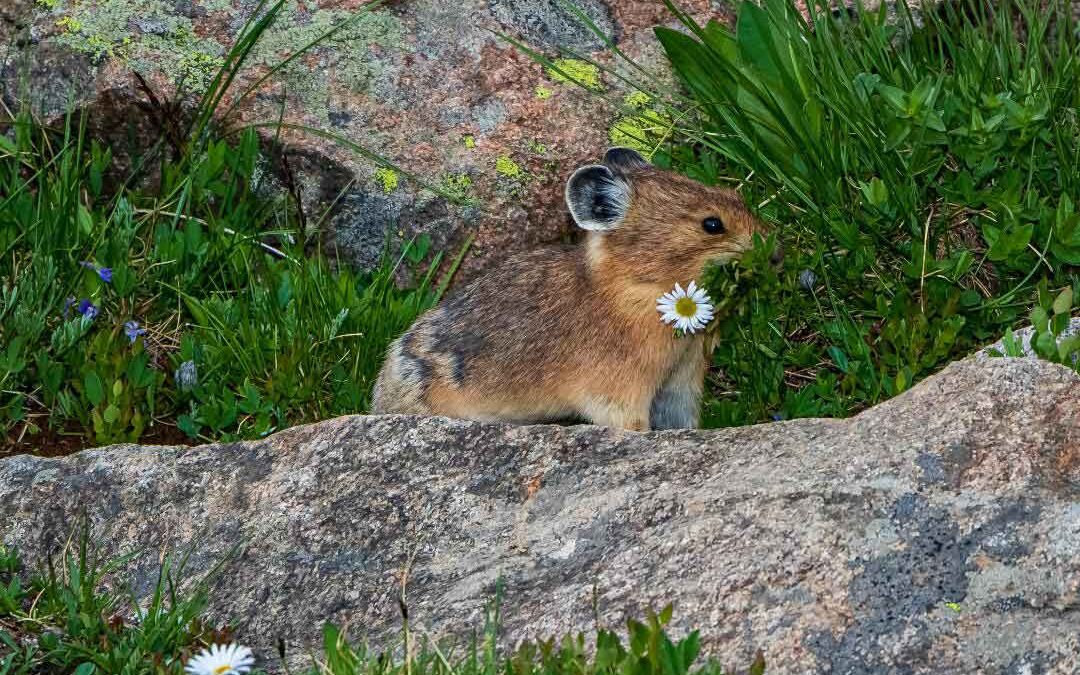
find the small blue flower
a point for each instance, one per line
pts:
(68, 302)
(186, 376)
(87, 309)
(778, 417)
(133, 331)
(104, 273)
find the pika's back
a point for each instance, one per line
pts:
(490, 328)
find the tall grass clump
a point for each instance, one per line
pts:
(921, 169)
(195, 309)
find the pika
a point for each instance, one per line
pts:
(573, 332)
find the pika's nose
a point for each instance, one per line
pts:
(777, 256)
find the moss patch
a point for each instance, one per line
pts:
(146, 35)
(388, 178)
(504, 166)
(216, 5)
(460, 187)
(543, 93)
(348, 52)
(577, 72)
(642, 132)
(150, 36)
(637, 99)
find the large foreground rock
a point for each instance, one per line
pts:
(937, 533)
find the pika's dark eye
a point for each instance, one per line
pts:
(713, 225)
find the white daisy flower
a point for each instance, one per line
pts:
(231, 659)
(688, 310)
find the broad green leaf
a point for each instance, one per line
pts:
(1063, 302)
(85, 668)
(95, 390)
(1044, 345)
(1040, 319)
(758, 42)
(839, 357)
(86, 221)
(111, 414)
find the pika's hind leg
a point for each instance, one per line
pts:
(403, 381)
(677, 405)
(631, 415)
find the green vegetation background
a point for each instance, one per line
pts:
(920, 172)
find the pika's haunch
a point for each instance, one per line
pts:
(573, 332)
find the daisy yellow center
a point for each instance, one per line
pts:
(220, 670)
(685, 307)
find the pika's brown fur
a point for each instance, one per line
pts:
(574, 332)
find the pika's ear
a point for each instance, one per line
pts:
(625, 160)
(598, 199)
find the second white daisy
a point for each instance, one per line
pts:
(231, 659)
(688, 310)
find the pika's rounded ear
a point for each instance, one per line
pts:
(598, 199)
(625, 160)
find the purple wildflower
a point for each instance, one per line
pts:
(133, 331)
(87, 308)
(104, 273)
(778, 417)
(68, 302)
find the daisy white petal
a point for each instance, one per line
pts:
(231, 659)
(688, 310)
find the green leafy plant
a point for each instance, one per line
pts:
(1050, 337)
(107, 294)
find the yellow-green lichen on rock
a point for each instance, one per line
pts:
(637, 99)
(216, 5)
(146, 35)
(349, 59)
(388, 178)
(576, 71)
(642, 132)
(459, 186)
(504, 166)
(151, 36)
